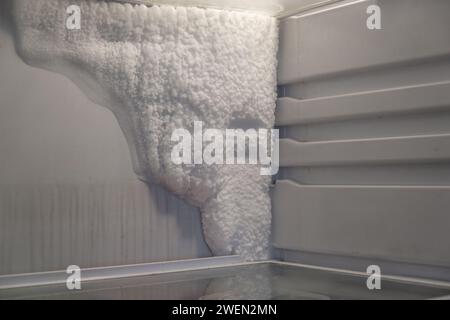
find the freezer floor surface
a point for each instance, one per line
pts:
(255, 281)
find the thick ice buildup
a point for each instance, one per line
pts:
(161, 68)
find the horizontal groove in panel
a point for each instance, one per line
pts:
(415, 149)
(402, 223)
(423, 73)
(422, 174)
(338, 41)
(428, 123)
(364, 104)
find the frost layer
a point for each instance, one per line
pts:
(161, 68)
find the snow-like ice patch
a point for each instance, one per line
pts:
(161, 68)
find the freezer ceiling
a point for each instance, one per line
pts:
(276, 8)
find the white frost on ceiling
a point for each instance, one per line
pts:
(275, 8)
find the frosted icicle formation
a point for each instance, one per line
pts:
(161, 68)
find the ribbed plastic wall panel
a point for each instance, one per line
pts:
(365, 125)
